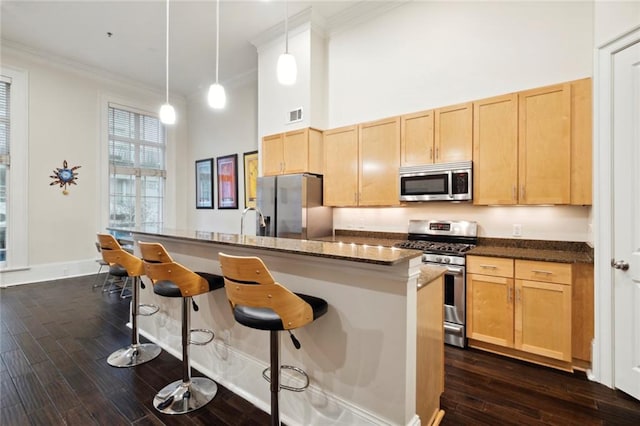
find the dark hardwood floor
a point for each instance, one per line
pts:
(55, 338)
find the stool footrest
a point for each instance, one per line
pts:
(201, 330)
(147, 309)
(286, 387)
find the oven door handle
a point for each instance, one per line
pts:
(455, 271)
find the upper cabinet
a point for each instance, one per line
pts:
(544, 144)
(534, 147)
(361, 164)
(379, 150)
(416, 139)
(454, 133)
(297, 151)
(495, 150)
(581, 142)
(340, 183)
(437, 136)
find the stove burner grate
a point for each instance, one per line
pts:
(435, 247)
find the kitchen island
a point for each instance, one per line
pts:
(382, 331)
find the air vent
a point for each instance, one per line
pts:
(294, 116)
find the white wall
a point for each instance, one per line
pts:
(215, 133)
(614, 18)
(276, 100)
(429, 54)
(66, 104)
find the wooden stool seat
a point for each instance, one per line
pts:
(171, 279)
(124, 264)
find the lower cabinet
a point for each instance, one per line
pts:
(521, 308)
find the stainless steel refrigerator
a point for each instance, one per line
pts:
(292, 207)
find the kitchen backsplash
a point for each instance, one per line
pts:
(557, 223)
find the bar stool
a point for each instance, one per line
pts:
(102, 263)
(259, 302)
(170, 279)
(121, 261)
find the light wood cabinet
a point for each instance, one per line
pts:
(379, 149)
(361, 164)
(544, 143)
(430, 352)
(417, 138)
(490, 309)
(297, 151)
(437, 136)
(581, 142)
(495, 150)
(534, 147)
(340, 184)
(454, 133)
(522, 306)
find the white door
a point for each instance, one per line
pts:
(626, 218)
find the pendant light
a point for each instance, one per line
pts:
(167, 112)
(287, 69)
(217, 98)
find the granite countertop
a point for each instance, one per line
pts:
(549, 251)
(429, 273)
(376, 254)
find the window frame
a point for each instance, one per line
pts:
(136, 171)
(17, 202)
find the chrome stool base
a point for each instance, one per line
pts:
(180, 397)
(134, 355)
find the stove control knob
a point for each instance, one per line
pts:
(446, 260)
(438, 259)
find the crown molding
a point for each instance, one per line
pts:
(358, 13)
(68, 65)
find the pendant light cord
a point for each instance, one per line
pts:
(217, 37)
(286, 26)
(167, 55)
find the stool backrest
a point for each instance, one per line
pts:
(114, 254)
(159, 266)
(248, 282)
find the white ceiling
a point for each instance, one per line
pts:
(76, 31)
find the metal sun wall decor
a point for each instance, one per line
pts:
(64, 176)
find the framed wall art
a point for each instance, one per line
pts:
(204, 184)
(250, 178)
(227, 170)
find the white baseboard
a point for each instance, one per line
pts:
(48, 272)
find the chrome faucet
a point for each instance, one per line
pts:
(263, 224)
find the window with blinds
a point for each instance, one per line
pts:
(136, 168)
(5, 126)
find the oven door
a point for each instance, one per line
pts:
(455, 306)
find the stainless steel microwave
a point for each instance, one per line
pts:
(437, 182)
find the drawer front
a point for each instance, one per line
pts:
(494, 266)
(550, 272)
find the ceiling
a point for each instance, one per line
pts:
(77, 32)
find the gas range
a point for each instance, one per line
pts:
(444, 243)
(441, 241)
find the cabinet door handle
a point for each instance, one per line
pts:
(514, 193)
(509, 295)
(522, 192)
(540, 271)
(430, 153)
(437, 153)
(518, 295)
(488, 266)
